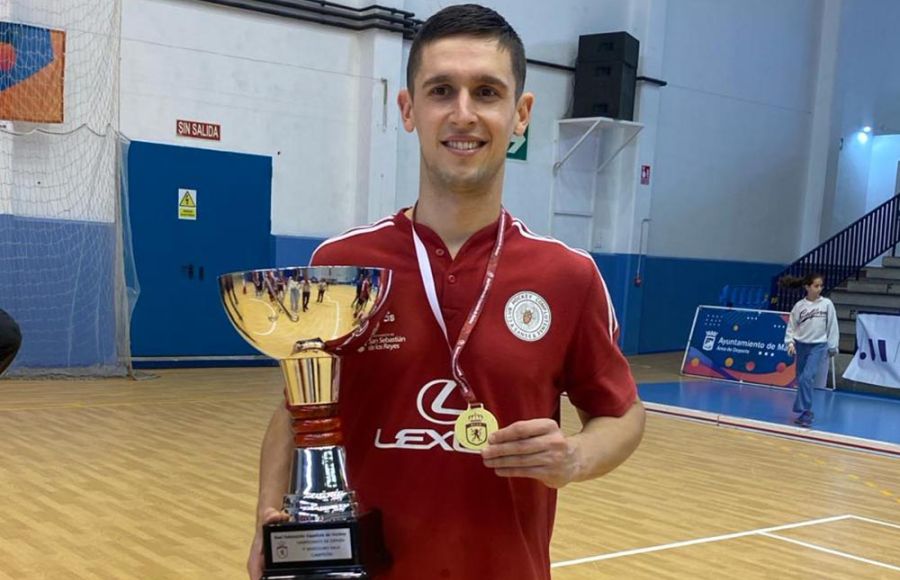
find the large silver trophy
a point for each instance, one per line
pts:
(306, 318)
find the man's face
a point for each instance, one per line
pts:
(465, 112)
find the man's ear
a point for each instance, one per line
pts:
(404, 101)
(523, 113)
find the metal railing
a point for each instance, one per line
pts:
(845, 254)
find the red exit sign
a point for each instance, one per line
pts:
(198, 130)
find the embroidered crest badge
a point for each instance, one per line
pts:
(528, 316)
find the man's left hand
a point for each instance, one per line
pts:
(535, 448)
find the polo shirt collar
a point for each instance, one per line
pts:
(484, 237)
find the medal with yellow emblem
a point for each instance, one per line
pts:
(474, 426)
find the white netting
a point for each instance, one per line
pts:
(61, 165)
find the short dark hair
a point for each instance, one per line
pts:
(468, 20)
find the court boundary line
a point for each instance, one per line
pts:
(796, 433)
(830, 551)
(877, 522)
(697, 541)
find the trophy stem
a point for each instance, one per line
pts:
(311, 399)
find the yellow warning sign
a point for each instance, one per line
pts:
(187, 204)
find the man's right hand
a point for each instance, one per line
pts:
(791, 349)
(256, 560)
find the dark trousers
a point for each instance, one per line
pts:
(305, 301)
(10, 340)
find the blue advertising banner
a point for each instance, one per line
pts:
(737, 344)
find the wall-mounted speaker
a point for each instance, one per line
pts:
(606, 76)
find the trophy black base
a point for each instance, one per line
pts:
(352, 549)
(354, 574)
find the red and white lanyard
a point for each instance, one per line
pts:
(474, 314)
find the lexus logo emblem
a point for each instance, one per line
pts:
(432, 402)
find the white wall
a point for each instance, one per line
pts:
(277, 87)
(867, 92)
(882, 181)
(822, 149)
(734, 129)
(728, 139)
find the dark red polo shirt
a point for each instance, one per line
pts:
(547, 327)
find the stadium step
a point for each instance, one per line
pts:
(862, 300)
(876, 292)
(887, 273)
(849, 311)
(891, 261)
(847, 343)
(873, 286)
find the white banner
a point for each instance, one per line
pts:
(877, 358)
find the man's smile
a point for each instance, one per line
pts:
(463, 145)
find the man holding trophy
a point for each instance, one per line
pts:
(450, 407)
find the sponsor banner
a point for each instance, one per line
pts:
(877, 358)
(737, 344)
(32, 67)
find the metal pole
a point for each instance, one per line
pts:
(833, 374)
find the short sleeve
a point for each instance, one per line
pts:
(598, 378)
(330, 254)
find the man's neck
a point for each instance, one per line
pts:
(456, 217)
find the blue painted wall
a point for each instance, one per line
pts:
(179, 311)
(655, 316)
(294, 250)
(619, 271)
(56, 281)
(674, 287)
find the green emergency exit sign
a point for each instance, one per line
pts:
(518, 147)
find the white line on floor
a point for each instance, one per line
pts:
(697, 541)
(830, 551)
(879, 522)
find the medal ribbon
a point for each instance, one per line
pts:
(474, 314)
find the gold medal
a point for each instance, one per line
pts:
(473, 427)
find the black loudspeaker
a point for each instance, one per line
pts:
(617, 46)
(606, 76)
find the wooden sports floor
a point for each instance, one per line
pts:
(156, 479)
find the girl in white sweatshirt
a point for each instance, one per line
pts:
(812, 334)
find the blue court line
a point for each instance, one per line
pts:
(838, 416)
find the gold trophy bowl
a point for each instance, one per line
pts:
(306, 318)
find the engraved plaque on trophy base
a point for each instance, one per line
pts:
(351, 549)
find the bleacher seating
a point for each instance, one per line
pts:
(744, 296)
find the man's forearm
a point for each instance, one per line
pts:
(275, 461)
(604, 443)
